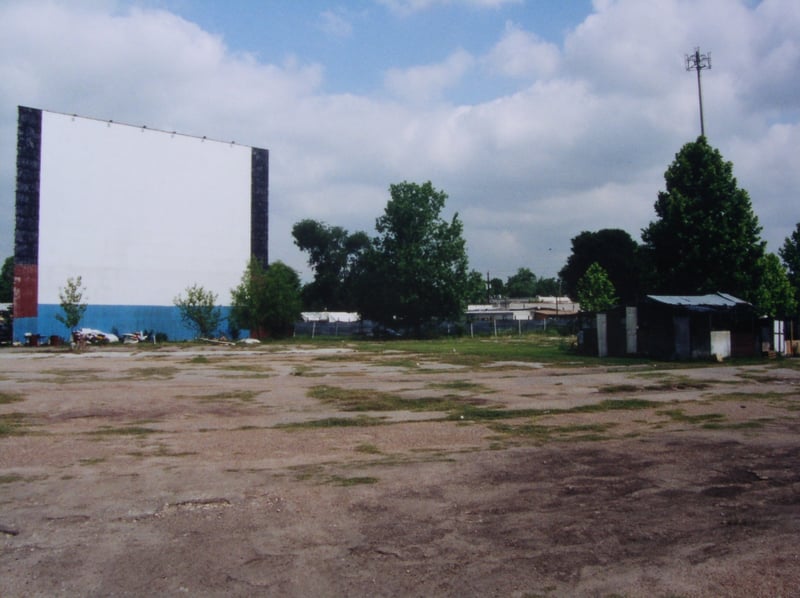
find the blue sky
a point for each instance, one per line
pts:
(539, 118)
(357, 42)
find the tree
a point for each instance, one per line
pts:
(496, 287)
(71, 297)
(521, 284)
(198, 310)
(595, 290)
(790, 254)
(706, 238)
(775, 296)
(332, 254)
(267, 301)
(550, 287)
(7, 281)
(415, 272)
(476, 287)
(615, 251)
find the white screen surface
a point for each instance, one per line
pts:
(140, 214)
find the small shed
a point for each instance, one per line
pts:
(680, 327)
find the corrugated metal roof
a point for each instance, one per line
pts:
(710, 300)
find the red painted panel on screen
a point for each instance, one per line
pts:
(26, 296)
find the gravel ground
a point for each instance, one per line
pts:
(216, 471)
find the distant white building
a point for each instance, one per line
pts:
(536, 308)
(330, 316)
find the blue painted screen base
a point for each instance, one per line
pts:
(118, 319)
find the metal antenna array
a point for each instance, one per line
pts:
(698, 62)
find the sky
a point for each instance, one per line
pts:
(539, 118)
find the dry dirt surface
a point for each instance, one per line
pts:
(295, 470)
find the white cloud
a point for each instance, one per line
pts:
(421, 84)
(629, 46)
(335, 24)
(521, 54)
(768, 166)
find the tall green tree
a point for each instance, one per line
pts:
(7, 281)
(595, 290)
(775, 296)
(521, 284)
(790, 254)
(72, 301)
(267, 301)
(416, 271)
(476, 288)
(706, 237)
(615, 251)
(198, 310)
(550, 287)
(497, 287)
(332, 254)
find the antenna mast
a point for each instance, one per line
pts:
(698, 62)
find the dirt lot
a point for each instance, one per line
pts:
(293, 471)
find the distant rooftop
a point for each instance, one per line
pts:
(709, 300)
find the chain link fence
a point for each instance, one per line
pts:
(481, 328)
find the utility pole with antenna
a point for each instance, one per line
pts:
(698, 62)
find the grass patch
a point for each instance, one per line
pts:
(679, 384)
(10, 478)
(242, 396)
(316, 474)
(353, 481)
(485, 352)
(161, 451)
(92, 461)
(666, 384)
(151, 373)
(760, 377)
(755, 396)
(11, 423)
(369, 449)
(306, 472)
(481, 351)
(465, 411)
(541, 433)
(461, 385)
(613, 405)
(477, 413)
(454, 407)
(750, 425)
(334, 422)
(10, 397)
(618, 388)
(122, 431)
(63, 376)
(677, 415)
(370, 400)
(248, 368)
